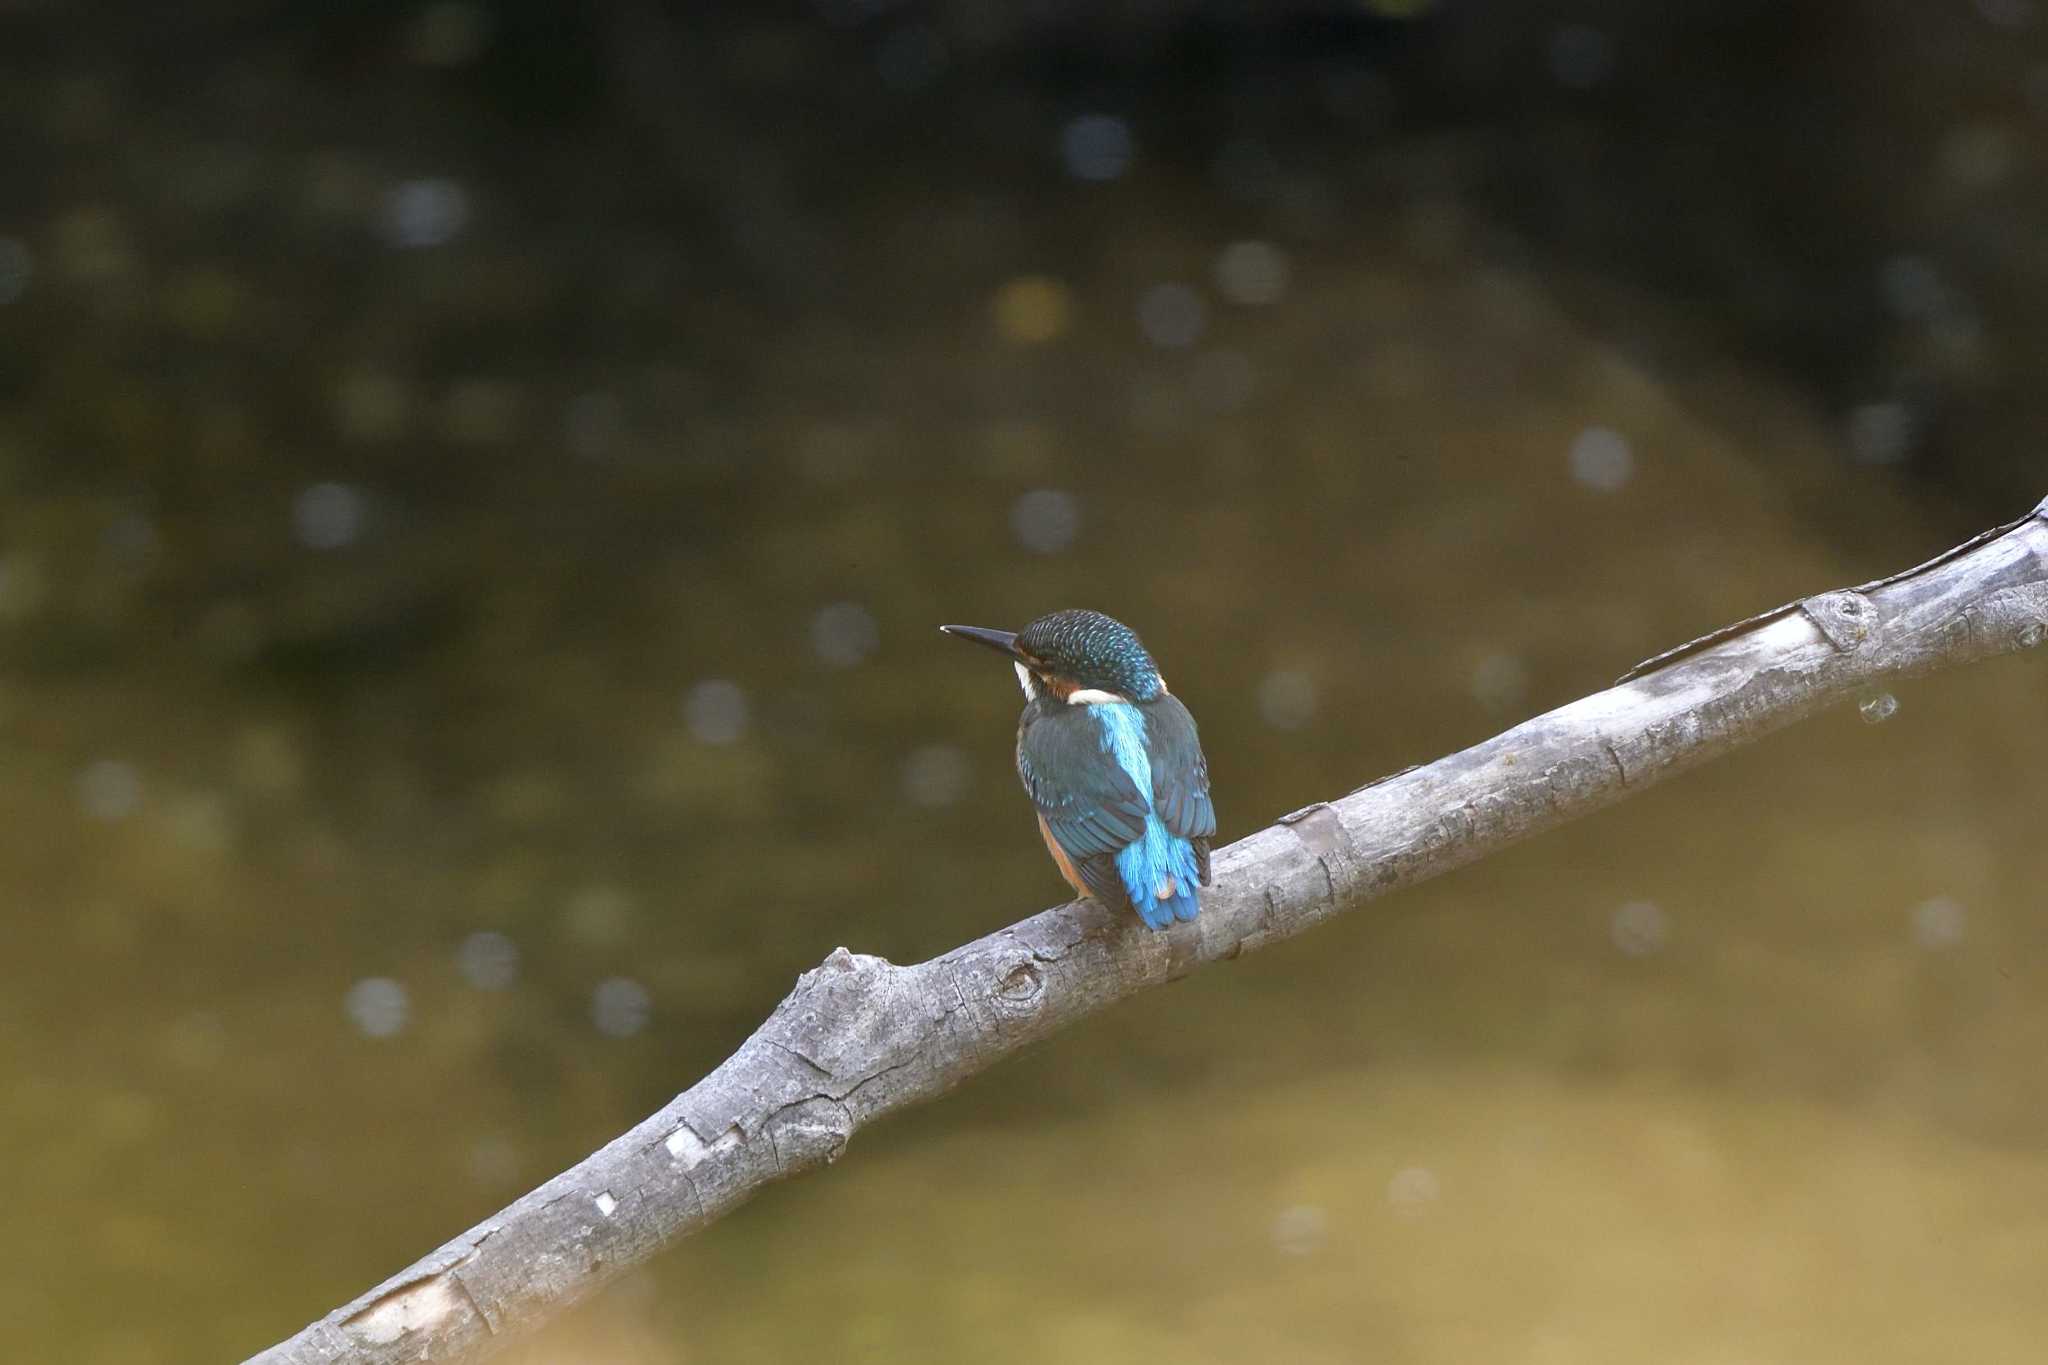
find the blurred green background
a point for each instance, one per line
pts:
(478, 482)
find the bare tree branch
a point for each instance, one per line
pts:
(860, 1037)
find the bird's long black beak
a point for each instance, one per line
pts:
(1002, 641)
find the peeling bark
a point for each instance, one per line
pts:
(860, 1037)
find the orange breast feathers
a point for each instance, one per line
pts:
(1060, 858)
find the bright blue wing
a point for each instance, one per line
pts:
(1180, 776)
(1089, 804)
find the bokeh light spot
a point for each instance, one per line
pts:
(377, 1006)
(1500, 681)
(328, 516)
(1096, 147)
(1913, 287)
(1300, 1229)
(620, 1007)
(488, 961)
(1287, 699)
(109, 789)
(1601, 460)
(1412, 1190)
(1938, 923)
(423, 213)
(716, 711)
(1881, 433)
(1045, 520)
(1252, 273)
(844, 634)
(1640, 929)
(1172, 315)
(17, 268)
(494, 1160)
(1032, 310)
(935, 775)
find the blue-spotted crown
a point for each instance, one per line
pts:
(1094, 650)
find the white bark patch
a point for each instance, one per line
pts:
(606, 1204)
(418, 1307)
(686, 1147)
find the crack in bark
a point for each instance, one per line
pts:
(797, 1053)
(475, 1306)
(1614, 757)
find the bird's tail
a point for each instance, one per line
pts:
(1160, 875)
(1180, 905)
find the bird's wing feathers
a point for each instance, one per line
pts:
(1104, 881)
(1180, 777)
(1091, 808)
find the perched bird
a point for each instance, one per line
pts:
(1111, 760)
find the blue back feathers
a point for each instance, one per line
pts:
(1159, 871)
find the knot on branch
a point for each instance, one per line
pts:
(811, 1131)
(808, 1077)
(1021, 984)
(2008, 619)
(848, 1018)
(1846, 617)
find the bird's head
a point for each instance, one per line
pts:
(1075, 656)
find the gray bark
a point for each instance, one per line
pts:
(860, 1037)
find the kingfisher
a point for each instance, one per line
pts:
(1112, 763)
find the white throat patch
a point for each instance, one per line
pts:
(1092, 696)
(1026, 681)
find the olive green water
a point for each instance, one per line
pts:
(1746, 1069)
